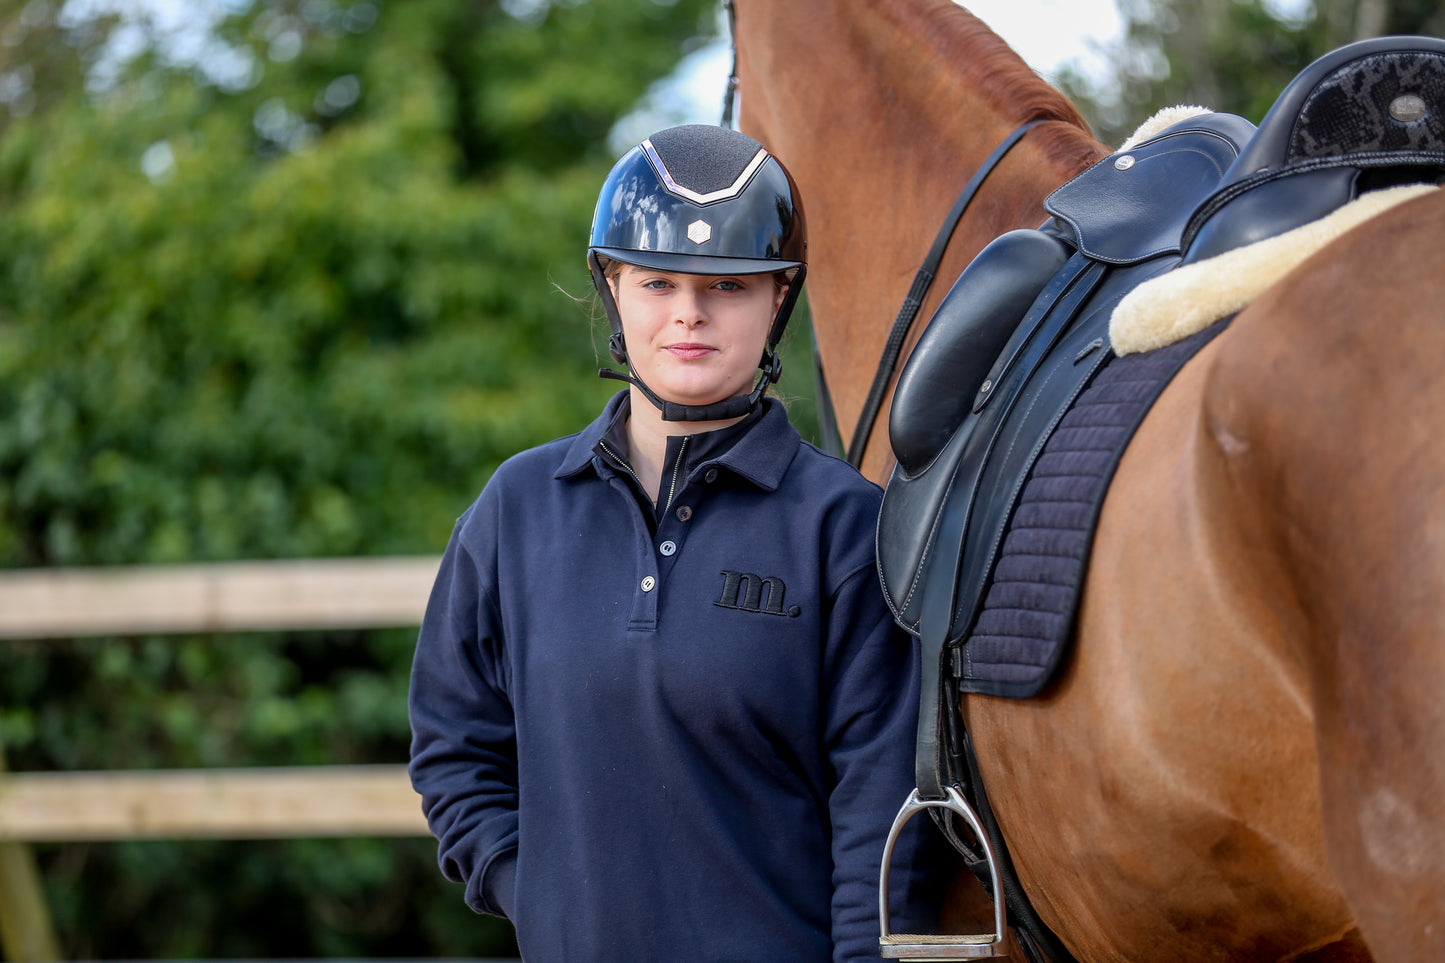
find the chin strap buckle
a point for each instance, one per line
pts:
(772, 365)
(939, 947)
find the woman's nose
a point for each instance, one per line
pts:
(691, 310)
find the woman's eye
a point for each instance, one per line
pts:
(729, 286)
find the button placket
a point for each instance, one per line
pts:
(645, 601)
(646, 578)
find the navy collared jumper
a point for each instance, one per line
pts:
(678, 734)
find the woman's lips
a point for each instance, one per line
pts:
(689, 352)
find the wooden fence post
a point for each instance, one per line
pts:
(26, 932)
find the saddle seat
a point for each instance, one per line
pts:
(1357, 132)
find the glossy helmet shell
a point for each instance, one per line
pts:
(699, 199)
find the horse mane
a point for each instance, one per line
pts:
(991, 68)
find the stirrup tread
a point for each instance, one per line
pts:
(934, 939)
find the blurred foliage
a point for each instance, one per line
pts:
(294, 296)
(1227, 55)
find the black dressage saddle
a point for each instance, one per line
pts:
(1013, 343)
(1013, 410)
(1024, 331)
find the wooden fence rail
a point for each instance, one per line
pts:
(219, 597)
(214, 803)
(211, 803)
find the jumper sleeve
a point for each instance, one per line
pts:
(463, 749)
(872, 707)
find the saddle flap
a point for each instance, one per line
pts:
(1133, 205)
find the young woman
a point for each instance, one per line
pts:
(659, 708)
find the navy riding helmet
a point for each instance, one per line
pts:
(699, 199)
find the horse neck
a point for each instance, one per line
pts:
(882, 110)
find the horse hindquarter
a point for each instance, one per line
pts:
(1340, 380)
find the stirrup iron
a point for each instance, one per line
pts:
(939, 948)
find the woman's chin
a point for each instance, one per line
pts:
(697, 397)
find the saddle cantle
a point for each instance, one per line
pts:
(1366, 116)
(983, 387)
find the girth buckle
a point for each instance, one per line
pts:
(939, 947)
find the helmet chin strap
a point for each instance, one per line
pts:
(734, 407)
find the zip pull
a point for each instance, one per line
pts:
(676, 471)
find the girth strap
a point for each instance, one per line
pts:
(1040, 944)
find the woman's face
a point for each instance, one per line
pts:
(695, 339)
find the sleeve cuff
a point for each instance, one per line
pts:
(500, 885)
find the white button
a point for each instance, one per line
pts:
(668, 547)
(649, 583)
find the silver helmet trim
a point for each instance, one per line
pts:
(732, 190)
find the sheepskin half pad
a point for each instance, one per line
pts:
(1190, 298)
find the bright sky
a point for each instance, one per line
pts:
(1046, 33)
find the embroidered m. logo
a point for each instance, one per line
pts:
(753, 593)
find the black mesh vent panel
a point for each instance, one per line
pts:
(700, 163)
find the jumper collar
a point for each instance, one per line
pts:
(762, 455)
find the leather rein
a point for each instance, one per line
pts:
(917, 291)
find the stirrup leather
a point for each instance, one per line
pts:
(939, 947)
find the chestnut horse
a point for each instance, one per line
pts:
(1242, 759)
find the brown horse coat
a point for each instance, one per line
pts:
(1242, 760)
